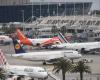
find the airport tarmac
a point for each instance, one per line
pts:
(93, 59)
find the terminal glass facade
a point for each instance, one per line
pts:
(15, 13)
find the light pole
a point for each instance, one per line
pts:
(22, 19)
(32, 13)
(22, 15)
(40, 9)
(48, 10)
(41, 1)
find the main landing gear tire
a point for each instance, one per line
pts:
(44, 63)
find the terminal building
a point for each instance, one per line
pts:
(22, 10)
(76, 15)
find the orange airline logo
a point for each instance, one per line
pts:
(17, 46)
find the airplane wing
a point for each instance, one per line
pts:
(17, 73)
(55, 56)
(52, 59)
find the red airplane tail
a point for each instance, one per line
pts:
(20, 35)
(23, 39)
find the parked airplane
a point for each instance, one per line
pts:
(83, 47)
(43, 55)
(5, 39)
(33, 72)
(43, 42)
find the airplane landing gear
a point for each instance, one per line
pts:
(83, 51)
(19, 78)
(44, 63)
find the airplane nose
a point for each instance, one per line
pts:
(46, 76)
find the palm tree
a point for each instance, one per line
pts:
(63, 30)
(4, 28)
(36, 32)
(81, 67)
(2, 74)
(63, 65)
(12, 28)
(54, 30)
(9, 29)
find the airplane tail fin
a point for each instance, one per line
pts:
(62, 38)
(20, 35)
(3, 61)
(18, 48)
(23, 39)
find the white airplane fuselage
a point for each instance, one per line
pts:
(38, 41)
(87, 46)
(48, 55)
(33, 72)
(5, 39)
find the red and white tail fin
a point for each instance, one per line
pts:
(20, 35)
(3, 61)
(62, 38)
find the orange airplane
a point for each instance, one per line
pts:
(42, 42)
